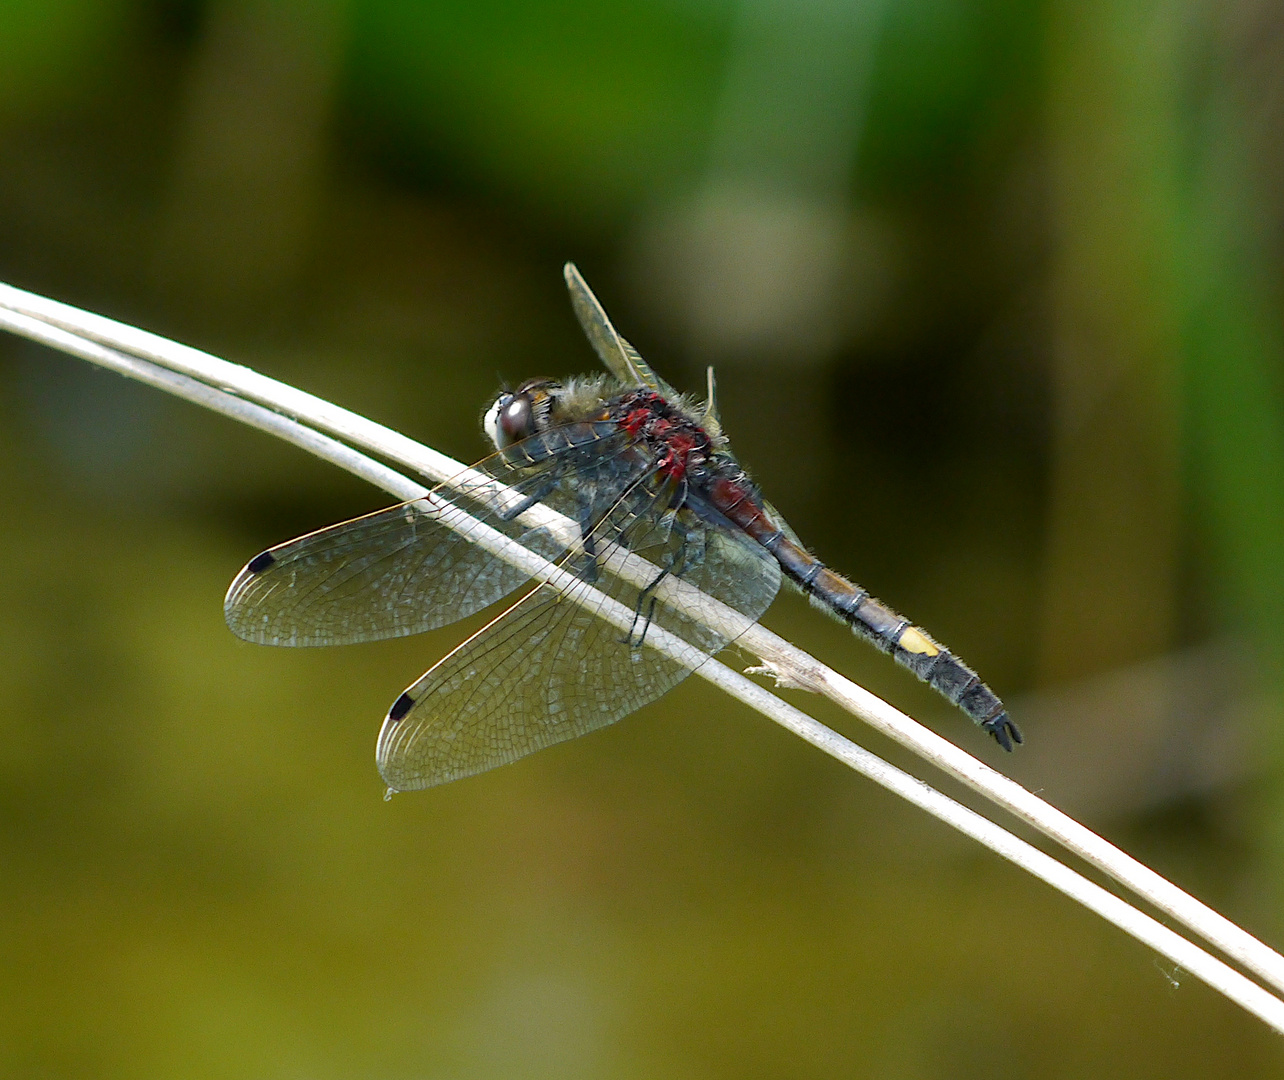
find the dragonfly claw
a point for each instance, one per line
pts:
(1005, 732)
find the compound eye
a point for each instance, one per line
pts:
(516, 420)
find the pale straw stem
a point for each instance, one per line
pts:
(264, 403)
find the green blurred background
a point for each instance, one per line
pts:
(993, 289)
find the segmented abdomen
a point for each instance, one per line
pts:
(910, 645)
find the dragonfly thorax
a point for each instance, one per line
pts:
(680, 444)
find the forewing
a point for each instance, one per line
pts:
(404, 570)
(620, 358)
(549, 669)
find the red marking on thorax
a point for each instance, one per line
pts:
(675, 461)
(635, 420)
(678, 443)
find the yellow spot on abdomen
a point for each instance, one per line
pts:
(915, 641)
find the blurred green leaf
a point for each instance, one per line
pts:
(581, 107)
(47, 47)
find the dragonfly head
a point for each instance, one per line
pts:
(523, 412)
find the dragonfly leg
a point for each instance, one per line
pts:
(538, 495)
(646, 599)
(588, 539)
(679, 562)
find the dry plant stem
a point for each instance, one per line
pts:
(217, 400)
(1146, 929)
(213, 383)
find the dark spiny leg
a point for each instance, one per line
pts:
(677, 563)
(693, 556)
(589, 541)
(648, 598)
(550, 482)
(648, 592)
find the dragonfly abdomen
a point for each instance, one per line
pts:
(911, 646)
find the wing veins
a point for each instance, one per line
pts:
(317, 589)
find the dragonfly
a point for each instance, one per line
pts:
(595, 476)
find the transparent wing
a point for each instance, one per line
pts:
(621, 359)
(549, 669)
(404, 570)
